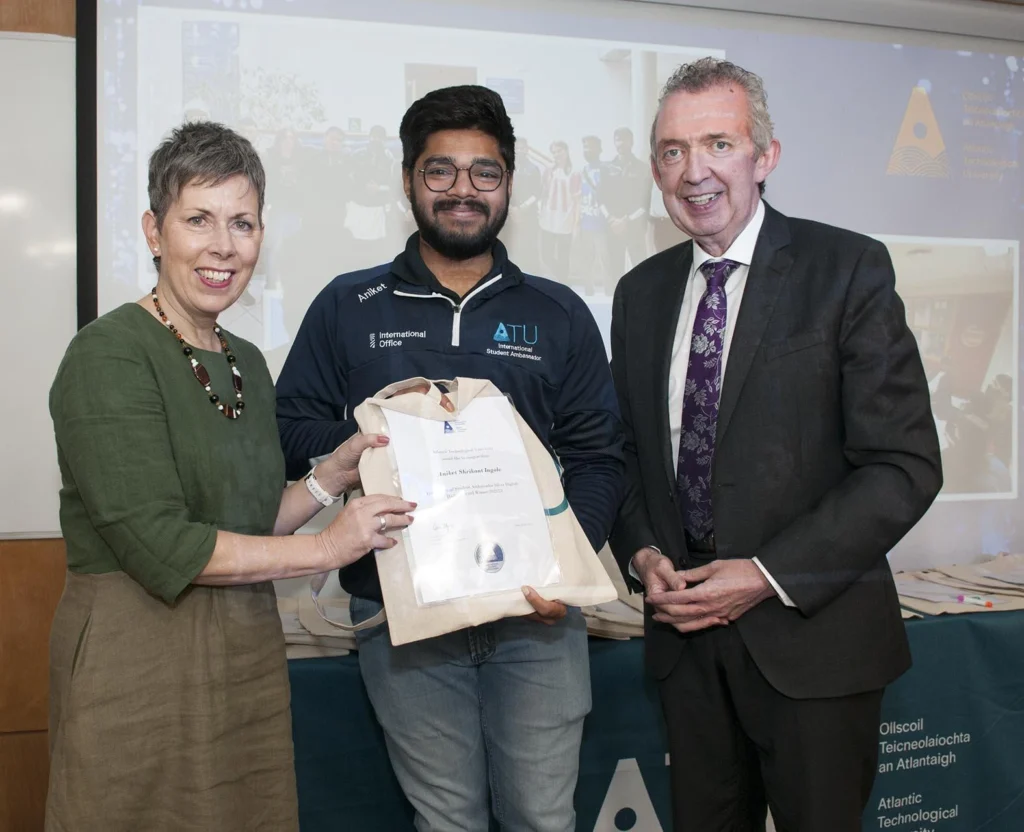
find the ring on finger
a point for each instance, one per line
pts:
(383, 523)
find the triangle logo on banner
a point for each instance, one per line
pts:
(627, 805)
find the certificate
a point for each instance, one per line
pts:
(480, 525)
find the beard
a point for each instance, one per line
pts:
(457, 244)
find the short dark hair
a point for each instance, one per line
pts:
(201, 153)
(467, 107)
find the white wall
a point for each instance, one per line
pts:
(37, 269)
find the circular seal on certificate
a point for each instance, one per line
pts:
(490, 557)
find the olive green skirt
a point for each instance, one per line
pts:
(168, 717)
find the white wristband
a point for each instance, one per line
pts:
(317, 490)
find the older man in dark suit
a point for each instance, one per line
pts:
(779, 444)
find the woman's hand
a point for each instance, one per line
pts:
(339, 473)
(362, 526)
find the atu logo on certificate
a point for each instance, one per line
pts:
(490, 557)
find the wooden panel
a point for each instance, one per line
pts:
(53, 17)
(24, 767)
(31, 582)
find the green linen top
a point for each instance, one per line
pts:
(150, 469)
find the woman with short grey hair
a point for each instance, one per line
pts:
(169, 701)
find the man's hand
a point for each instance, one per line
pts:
(424, 388)
(660, 580)
(656, 571)
(729, 589)
(548, 612)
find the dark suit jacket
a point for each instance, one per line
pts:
(825, 451)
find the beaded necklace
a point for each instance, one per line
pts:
(201, 373)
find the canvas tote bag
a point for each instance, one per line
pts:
(584, 581)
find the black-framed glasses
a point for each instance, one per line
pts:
(441, 176)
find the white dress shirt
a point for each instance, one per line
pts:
(742, 252)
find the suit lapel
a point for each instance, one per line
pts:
(768, 269)
(663, 323)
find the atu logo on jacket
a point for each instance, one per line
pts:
(515, 334)
(515, 341)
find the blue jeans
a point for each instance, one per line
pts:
(483, 720)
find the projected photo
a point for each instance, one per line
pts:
(584, 208)
(920, 138)
(961, 299)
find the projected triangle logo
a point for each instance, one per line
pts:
(919, 148)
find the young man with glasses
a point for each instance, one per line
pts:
(488, 719)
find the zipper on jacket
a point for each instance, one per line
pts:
(456, 307)
(456, 324)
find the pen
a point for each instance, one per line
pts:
(974, 599)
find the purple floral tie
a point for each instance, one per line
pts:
(701, 394)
